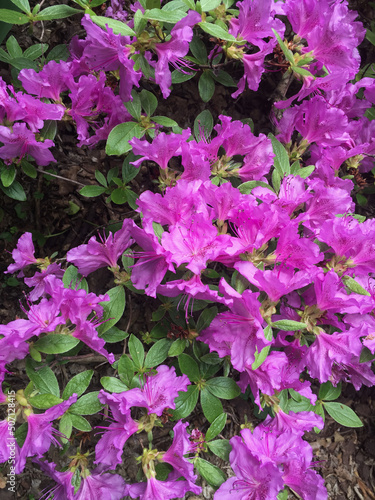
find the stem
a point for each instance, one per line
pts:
(60, 177)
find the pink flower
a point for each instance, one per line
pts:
(23, 254)
(94, 255)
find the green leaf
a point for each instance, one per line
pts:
(114, 335)
(203, 125)
(3, 55)
(211, 405)
(28, 169)
(56, 12)
(287, 325)
(119, 137)
(118, 27)
(328, 392)
(8, 174)
(206, 85)
(126, 369)
(221, 448)
(206, 318)
(164, 121)
(306, 171)
(281, 160)
(12, 17)
(261, 357)
(137, 351)
(189, 366)
(92, 191)
(87, 404)
(22, 5)
(224, 78)
(100, 178)
(354, 286)
(164, 16)
(35, 51)
(49, 130)
(149, 102)
(276, 180)
(114, 309)
(370, 36)
(186, 402)
(78, 384)
(72, 279)
(209, 4)
(302, 71)
(21, 433)
(134, 107)
(217, 31)
(43, 378)
(23, 63)
(198, 49)
(343, 415)
(282, 495)
(212, 474)
(212, 358)
(223, 387)
(216, 427)
(13, 47)
(65, 427)
(287, 53)
(58, 53)
(158, 353)
(44, 401)
(190, 4)
(119, 195)
(113, 384)
(79, 422)
(366, 355)
(177, 347)
(247, 187)
(55, 343)
(178, 77)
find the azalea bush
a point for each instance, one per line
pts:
(249, 244)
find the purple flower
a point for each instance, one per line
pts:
(176, 453)
(109, 449)
(157, 490)
(23, 254)
(94, 255)
(54, 78)
(252, 479)
(41, 433)
(20, 142)
(161, 150)
(157, 393)
(174, 50)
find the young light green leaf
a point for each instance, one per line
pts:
(247, 187)
(13, 17)
(353, 285)
(65, 427)
(209, 4)
(288, 325)
(177, 347)
(22, 5)
(261, 357)
(306, 171)
(35, 51)
(92, 191)
(287, 53)
(13, 47)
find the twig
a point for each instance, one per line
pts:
(60, 177)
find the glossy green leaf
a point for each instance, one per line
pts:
(137, 351)
(158, 353)
(186, 402)
(114, 309)
(87, 404)
(343, 414)
(118, 27)
(119, 137)
(216, 427)
(55, 343)
(217, 31)
(212, 474)
(78, 384)
(223, 387)
(189, 366)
